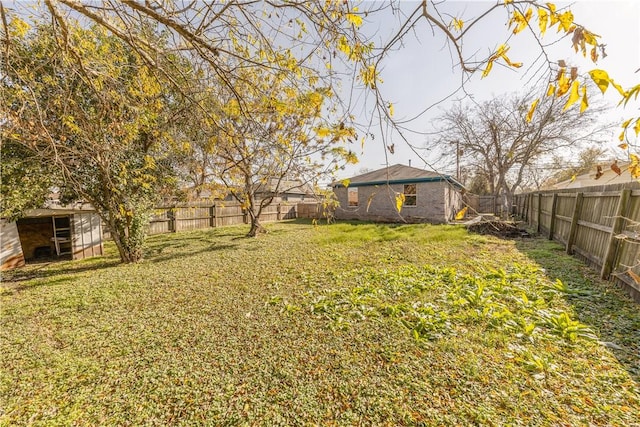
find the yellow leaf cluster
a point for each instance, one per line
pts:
(532, 109)
(520, 21)
(548, 17)
(233, 108)
(18, 27)
(543, 18)
(457, 24)
(574, 95)
(356, 20)
(70, 123)
(323, 132)
(369, 76)
(565, 19)
(602, 80)
(290, 92)
(584, 104)
(568, 83)
(343, 46)
(551, 90)
(351, 158)
(461, 213)
(583, 37)
(315, 100)
(564, 83)
(625, 126)
(399, 201)
(501, 52)
(634, 166)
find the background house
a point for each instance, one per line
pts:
(606, 176)
(428, 196)
(289, 190)
(293, 190)
(57, 232)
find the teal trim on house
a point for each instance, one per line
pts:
(402, 181)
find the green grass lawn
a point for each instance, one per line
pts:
(343, 324)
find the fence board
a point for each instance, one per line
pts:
(314, 211)
(199, 215)
(594, 224)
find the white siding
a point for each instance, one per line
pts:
(86, 230)
(11, 255)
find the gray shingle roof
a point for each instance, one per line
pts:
(395, 173)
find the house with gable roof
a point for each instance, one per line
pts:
(423, 196)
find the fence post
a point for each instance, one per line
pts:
(172, 220)
(212, 215)
(577, 209)
(618, 220)
(279, 212)
(553, 215)
(539, 212)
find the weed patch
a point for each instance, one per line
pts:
(391, 325)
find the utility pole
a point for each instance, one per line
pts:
(458, 160)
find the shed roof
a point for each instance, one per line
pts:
(53, 210)
(396, 174)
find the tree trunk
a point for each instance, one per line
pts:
(505, 196)
(254, 213)
(256, 227)
(128, 233)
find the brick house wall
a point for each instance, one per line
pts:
(436, 202)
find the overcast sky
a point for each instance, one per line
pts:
(422, 72)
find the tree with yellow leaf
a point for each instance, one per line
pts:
(93, 117)
(313, 34)
(281, 140)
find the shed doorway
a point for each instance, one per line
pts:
(45, 238)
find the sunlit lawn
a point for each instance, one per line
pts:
(347, 324)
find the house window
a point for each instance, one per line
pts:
(410, 195)
(352, 196)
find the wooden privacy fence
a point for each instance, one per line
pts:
(600, 225)
(482, 204)
(314, 210)
(195, 216)
(170, 219)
